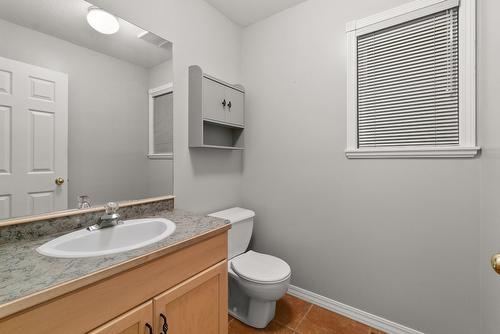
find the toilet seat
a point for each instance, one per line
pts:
(260, 268)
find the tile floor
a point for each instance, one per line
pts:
(294, 315)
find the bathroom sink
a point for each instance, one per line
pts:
(131, 234)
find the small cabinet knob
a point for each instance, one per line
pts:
(229, 104)
(224, 103)
(59, 181)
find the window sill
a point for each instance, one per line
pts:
(161, 156)
(413, 152)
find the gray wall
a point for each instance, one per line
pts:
(205, 180)
(108, 135)
(161, 74)
(379, 235)
(396, 238)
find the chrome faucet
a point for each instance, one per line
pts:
(109, 219)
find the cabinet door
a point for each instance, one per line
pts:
(235, 114)
(137, 321)
(214, 96)
(198, 305)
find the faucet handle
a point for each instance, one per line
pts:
(111, 208)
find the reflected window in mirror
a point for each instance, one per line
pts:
(161, 104)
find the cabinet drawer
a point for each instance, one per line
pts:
(132, 322)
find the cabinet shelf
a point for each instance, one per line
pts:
(216, 112)
(224, 124)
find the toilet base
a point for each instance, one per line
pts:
(253, 312)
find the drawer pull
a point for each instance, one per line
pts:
(165, 324)
(224, 103)
(229, 104)
(148, 326)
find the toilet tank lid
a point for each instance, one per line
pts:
(234, 215)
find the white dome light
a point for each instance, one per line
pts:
(102, 21)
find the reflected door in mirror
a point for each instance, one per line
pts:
(33, 139)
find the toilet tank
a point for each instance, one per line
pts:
(241, 229)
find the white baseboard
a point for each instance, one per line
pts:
(351, 312)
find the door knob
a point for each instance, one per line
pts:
(495, 263)
(59, 181)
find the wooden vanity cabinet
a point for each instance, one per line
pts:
(197, 305)
(186, 287)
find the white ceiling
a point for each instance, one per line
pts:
(246, 12)
(66, 19)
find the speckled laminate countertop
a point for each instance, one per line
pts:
(23, 271)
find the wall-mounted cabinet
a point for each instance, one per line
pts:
(216, 112)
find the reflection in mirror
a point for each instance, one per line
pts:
(86, 103)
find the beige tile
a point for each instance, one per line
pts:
(237, 327)
(291, 310)
(321, 321)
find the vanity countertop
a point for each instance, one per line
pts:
(28, 278)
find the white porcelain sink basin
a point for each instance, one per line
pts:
(131, 234)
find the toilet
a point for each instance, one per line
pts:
(256, 280)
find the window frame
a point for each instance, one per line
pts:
(152, 93)
(467, 79)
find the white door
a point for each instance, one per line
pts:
(33, 139)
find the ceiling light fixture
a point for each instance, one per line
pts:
(102, 21)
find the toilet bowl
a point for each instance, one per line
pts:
(256, 280)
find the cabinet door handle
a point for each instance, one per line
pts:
(148, 326)
(165, 324)
(229, 104)
(224, 103)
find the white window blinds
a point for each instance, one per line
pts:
(408, 83)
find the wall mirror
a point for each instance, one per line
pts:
(86, 103)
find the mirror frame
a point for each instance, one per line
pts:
(74, 212)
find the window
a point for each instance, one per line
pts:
(411, 82)
(161, 122)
